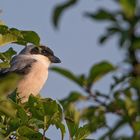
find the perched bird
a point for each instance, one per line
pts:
(32, 63)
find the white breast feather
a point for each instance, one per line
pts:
(33, 82)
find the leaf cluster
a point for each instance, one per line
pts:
(13, 35)
(122, 99)
(32, 119)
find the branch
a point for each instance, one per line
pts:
(94, 96)
(44, 130)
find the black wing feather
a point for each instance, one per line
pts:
(19, 64)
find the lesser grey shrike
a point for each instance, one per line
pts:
(32, 63)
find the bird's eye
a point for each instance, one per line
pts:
(44, 51)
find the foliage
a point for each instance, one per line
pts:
(58, 11)
(13, 35)
(25, 121)
(32, 119)
(123, 99)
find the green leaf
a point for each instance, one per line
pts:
(58, 10)
(53, 115)
(104, 38)
(136, 125)
(61, 127)
(117, 105)
(131, 106)
(124, 36)
(72, 117)
(50, 106)
(135, 82)
(2, 131)
(36, 123)
(128, 7)
(46, 110)
(4, 65)
(3, 29)
(68, 74)
(8, 35)
(1, 137)
(22, 115)
(110, 32)
(98, 71)
(7, 38)
(136, 43)
(82, 132)
(13, 35)
(72, 98)
(14, 124)
(95, 116)
(101, 15)
(88, 113)
(6, 56)
(31, 37)
(11, 80)
(7, 108)
(36, 107)
(29, 133)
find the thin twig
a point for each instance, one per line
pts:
(44, 130)
(94, 96)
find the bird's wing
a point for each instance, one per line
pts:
(19, 65)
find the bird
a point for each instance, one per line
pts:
(32, 63)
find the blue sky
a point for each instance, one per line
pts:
(75, 42)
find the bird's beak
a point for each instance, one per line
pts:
(55, 59)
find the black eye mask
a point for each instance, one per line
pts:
(46, 52)
(35, 50)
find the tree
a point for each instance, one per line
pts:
(32, 119)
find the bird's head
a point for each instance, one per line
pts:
(41, 51)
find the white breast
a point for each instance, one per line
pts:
(33, 82)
